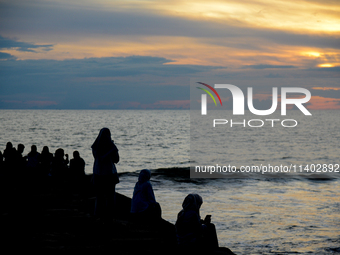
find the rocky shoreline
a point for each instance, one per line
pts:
(56, 216)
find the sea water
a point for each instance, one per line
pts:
(253, 215)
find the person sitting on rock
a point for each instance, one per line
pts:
(192, 232)
(143, 203)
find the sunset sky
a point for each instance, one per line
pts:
(106, 54)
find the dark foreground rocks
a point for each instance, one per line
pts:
(55, 216)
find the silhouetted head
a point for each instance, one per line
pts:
(104, 136)
(34, 148)
(9, 145)
(76, 154)
(144, 175)
(105, 132)
(59, 153)
(45, 150)
(103, 142)
(21, 148)
(192, 202)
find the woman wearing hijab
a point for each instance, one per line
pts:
(143, 203)
(105, 175)
(192, 232)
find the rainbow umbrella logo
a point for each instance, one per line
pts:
(209, 93)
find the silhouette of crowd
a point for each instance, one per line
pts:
(14, 163)
(192, 232)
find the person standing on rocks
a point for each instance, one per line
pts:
(105, 175)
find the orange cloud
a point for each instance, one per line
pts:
(191, 44)
(323, 103)
(325, 88)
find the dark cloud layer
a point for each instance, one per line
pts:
(133, 82)
(82, 83)
(6, 43)
(100, 67)
(6, 56)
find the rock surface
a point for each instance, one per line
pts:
(43, 215)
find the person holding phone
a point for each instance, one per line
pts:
(193, 232)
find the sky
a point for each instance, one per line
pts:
(107, 54)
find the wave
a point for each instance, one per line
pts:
(182, 174)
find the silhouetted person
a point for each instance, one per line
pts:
(192, 232)
(20, 159)
(143, 204)
(77, 169)
(9, 156)
(77, 166)
(46, 158)
(105, 175)
(33, 158)
(59, 164)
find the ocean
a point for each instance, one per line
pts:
(253, 215)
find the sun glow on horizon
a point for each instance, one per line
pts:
(326, 65)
